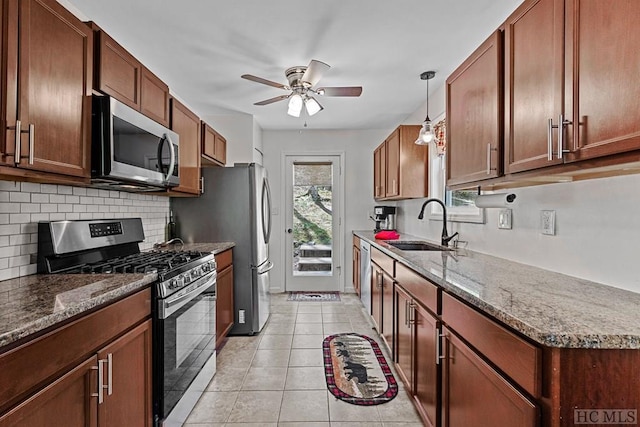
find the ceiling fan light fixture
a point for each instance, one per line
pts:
(426, 135)
(295, 105)
(312, 105)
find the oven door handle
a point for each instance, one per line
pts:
(169, 306)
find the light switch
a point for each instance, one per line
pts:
(504, 219)
(548, 222)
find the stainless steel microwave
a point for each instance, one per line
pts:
(129, 151)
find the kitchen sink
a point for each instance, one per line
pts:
(417, 246)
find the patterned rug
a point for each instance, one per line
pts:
(314, 296)
(356, 370)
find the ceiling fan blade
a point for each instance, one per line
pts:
(272, 100)
(264, 81)
(340, 91)
(314, 72)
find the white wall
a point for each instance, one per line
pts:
(358, 177)
(243, 135)
(597, 226)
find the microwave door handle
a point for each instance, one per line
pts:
(172, 161)
(160, 145)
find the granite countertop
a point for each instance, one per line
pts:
(550, 308)
(214, 248)
(33, 303)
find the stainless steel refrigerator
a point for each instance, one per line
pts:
(236, 207)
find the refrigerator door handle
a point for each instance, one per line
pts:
(266, 267)
(266, 216)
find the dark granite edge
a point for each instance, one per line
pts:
(51, 320)
(549, 339)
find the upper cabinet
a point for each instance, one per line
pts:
(474, 115)
(401, 166)
(187, 125)
(214, 147)
(121, 75)
(46, 52)
(571, 93)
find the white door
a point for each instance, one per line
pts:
(312, 234)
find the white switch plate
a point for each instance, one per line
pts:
(548, 222)
(504, 219)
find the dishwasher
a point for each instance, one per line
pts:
(365, 274)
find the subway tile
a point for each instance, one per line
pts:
(72, 216)
(101, 201)
(103, 193)
(57, 198)
(19, 197)
(60, 216)
(30, 207)
(79, 208)
(79, 191)
(49, 207)
(4, 263)
(92, 192)
(19, 239)
(49, 188)
(63, 189)
(86, 200)
(72, 199)
(9, 186)
(9, 251)
(9, 207)
(27, 270)
(29, 187)
(18, 261)
(4, 218)
(9, 273)
(9, 229)
(65, 208)
(31, 248)
(92, 208)
(35, 217)
(39, 198)
(114, 194)
(4, 241)
(4, 196)
(30, 227)
(86, 215)
(33, 238)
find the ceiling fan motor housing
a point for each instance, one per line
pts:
(294, 76)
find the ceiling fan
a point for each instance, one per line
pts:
(301, 84)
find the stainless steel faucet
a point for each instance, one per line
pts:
(445, 235)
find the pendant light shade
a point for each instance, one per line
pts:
(295, 105)
(426, 135)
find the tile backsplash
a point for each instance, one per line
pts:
(23, 204)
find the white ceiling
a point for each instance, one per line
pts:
(201, 48)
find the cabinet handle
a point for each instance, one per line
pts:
(393, 190)
(110, 374)
(439, 356)
(101, 386)
(32, 140)
(17, 154)
(550, 140)
(412, 313)
(561, 124)
(406, 313)
(380, 279)
(202, 185)
(489, 150)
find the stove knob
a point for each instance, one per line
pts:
(173, 284)
(206, 267)
(187, 278)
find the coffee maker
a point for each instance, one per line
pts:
(384, 217)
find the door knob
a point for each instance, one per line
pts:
(289, 230)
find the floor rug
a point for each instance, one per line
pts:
(314, 296)
(356, 370)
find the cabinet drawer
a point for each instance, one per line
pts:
(516, 357)
(224, 259)
(384, 261)
(422, 290)
(30, 365)
(356, 241)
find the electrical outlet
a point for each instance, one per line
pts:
(504, 219)
(548, 222)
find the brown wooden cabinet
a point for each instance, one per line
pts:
(416, 341)
(120, 75)
(475, 114)
(400, 166)
(53, 379)
(356, 264)
(224, 295)
(475, 394)
(187, 125)
(214, 147)
(382, 282)
(47, 53)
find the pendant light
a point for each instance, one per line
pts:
(426, 134)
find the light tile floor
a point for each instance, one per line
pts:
(276, 378)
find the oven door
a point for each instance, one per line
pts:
(185, 341)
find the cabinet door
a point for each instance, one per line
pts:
(378, 186)
(187, 125)
(55, 77)
(602, 78)
(387, 309)
(224, 304)
(376, 295)
(534, 40)
(474, 115)
(209, 152)
(118, 73)
(393, 164)
(154, 97)
(220, 149)
(127, 374)
(427, 381)
(476, 395)
(403, 338)
(66, 402)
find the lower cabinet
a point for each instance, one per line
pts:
(224, 295)
(474, 394)
(356, 264)
(382, 303)
(110, 386)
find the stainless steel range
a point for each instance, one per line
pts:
(183, 299)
